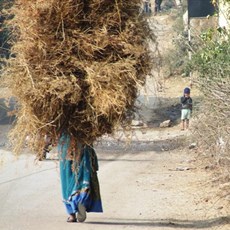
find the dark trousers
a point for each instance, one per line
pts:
(146, 8)
(158, 5)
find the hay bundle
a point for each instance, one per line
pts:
(75, 66)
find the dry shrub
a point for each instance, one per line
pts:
(213, 127)
(75, 67)
(213, 133)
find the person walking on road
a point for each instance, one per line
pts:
(79, 182)
(158, 6)
(146, 6)
(186, 103)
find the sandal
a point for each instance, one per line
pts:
(71, 218)
(81, 215)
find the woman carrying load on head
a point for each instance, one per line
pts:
(79, 182)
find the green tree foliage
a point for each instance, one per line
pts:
(212, 61)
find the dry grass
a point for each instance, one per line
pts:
(213, 127)
(75, 67)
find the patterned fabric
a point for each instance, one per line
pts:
(79, 182)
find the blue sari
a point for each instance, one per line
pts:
(79, 180)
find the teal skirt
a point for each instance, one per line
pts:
(79, 180)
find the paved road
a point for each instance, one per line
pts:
(30, 196)
(140, 190)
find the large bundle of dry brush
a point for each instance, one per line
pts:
(75, 66)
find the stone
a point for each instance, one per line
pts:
(192, 146)
(137, 123)
(165, 124)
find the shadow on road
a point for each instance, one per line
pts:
(7, 107)
(141, 146)
(169, 223)
(166, 109)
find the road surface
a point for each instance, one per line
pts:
(151, 184)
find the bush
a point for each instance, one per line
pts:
(213, 65)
